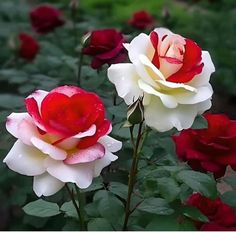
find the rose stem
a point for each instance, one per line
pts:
(80, 62)
(82, 203)
(132, 174)
(80, 215)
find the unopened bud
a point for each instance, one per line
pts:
(135, 114)
(85, 39)
(74, 4)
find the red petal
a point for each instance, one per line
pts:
(191, 64)
(154, 40)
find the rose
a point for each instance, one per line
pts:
(141, 20)
(220, 215)
(105, 46)
(29, 47)
(45, 18)
(171, 73)
(63, 138)
(210, 149)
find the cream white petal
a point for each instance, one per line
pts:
(46, 185)
(13, 121)
(125, 79)
(26, 160)
(203, 93)
(80, 174)
(161, 31)
(208, 68)
(104, 162)
(168, 100)
(163, 119)
(110, 143)
(203, 106)
(141, 44)
(46, 148)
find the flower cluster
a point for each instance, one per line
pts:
(62, 138)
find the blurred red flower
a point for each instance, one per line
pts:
(142, 20)
(106, 47)
(210, 149)
(29, 47)
(221, 216)
(45, 19)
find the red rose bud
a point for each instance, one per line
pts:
(221, 216)
(105, 46)
(210, 149)
(29, 47)
(45, 19)
(142, 20)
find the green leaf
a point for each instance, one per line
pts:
(41, 208)
(163, 223)
(168, 188)
(199, 123)
(69, 209)
(109, 206)
(156, 206)
(99, 224)
(194, 214)
(199, 182)
(229, 198)
(119, 189)
(231, 180)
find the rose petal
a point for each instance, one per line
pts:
(80, 174)
(94, 152)
(25, 159)
(110, 144)
(46, 148)
(104, 162)
(125, 79)
(46, 185)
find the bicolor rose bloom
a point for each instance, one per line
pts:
(141, 20)
(46, 18)
(105, 47)
(222, 217)
(172, 74)
(62, 138)
(211, 149)
(29, 47)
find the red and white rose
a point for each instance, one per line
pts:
(62, 138)
(171, 72)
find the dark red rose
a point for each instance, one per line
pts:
(106, 47)
(142, 20)
(45, 18)
(210, 149)
(220, 215)
(29, 47)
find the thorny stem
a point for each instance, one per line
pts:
(77, 208)
(132, 175)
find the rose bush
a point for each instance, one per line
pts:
(171, 73)
(211, 149)
(62, 138)
(105, 46)
(221, 216)
(45, 18)
(29, 47)
(141, 20)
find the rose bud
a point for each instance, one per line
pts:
(135, 113)
(28, 47)
(45, 18)
(105, 46)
